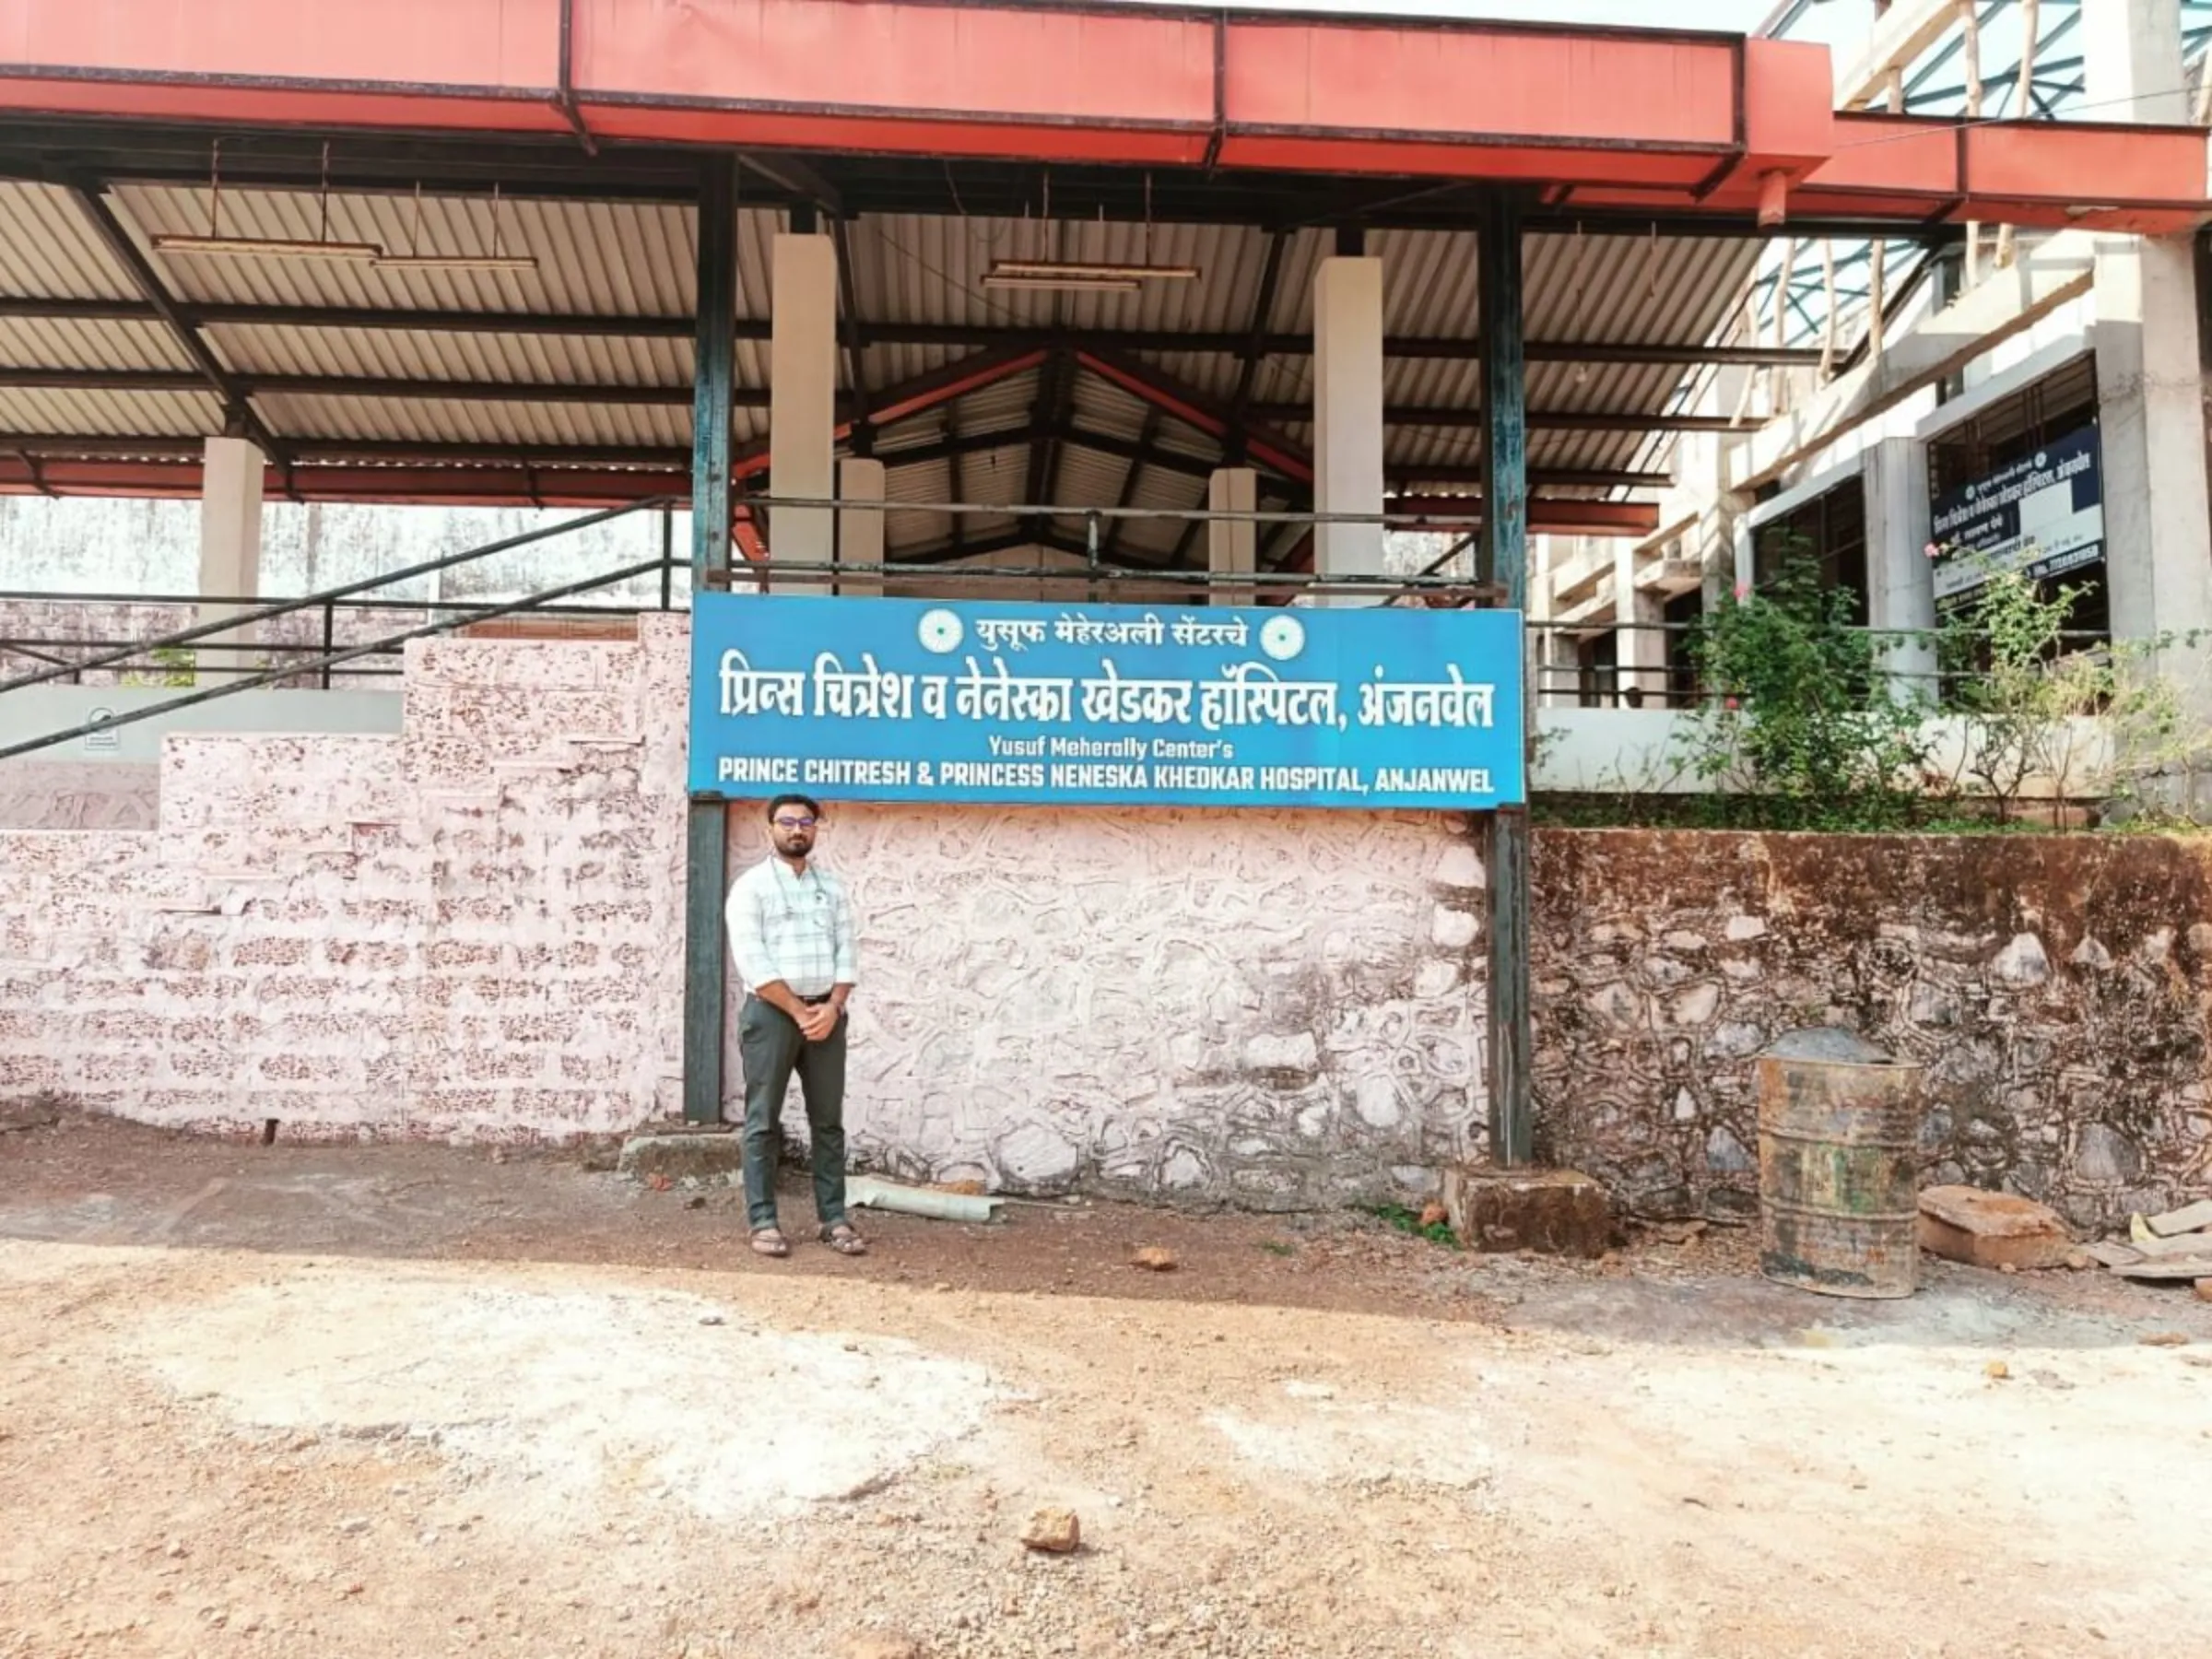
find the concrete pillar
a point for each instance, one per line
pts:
(2158, 520)
(1744, 567)
(860, 531)
(230, 490)
(1232, 548)
(1640, 643)
(1348, 415)
(1900, 583)
(802, 402)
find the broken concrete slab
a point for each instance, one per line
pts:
(2182, 1244)
(2112, 1255)
(1992, 1229)
(700, 1154)
(2185, 1270)
(2189, 1219)
(1552, 1212)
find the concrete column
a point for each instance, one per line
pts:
(1348, 415)
(2158, 520)
(1232, 548)
(860, 531)
(1900, 583)
(230, 490)
(801, 402)
(1744, 567)
(1640, 643)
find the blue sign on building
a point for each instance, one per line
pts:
(897, 700)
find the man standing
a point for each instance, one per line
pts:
(791, 937)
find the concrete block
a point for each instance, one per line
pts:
(700, 1154)
(1557, 1212)
(1991, 1230)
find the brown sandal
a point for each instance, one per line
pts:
(844, 1238)
(770, 1242)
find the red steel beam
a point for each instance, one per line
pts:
(903, 402)
(1691, 122)
(1196, 409)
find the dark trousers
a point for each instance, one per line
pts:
(772, 1049)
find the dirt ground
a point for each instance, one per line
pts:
(410, 1400)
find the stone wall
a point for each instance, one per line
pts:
(472, 928)
(2056, 988)
(476, 928)
(1275, 1008)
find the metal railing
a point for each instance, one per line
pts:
(204, 636)
(43, 647)
(1100, 571)
(1908, 660)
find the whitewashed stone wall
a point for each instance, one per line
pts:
(476, 928)
(1276, 1007)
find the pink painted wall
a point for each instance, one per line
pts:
(475, 928)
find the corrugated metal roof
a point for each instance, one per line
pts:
(614, 258)
(49, 250)
(637, 259)
(404, 354)
(48, 343)
(914, 268)
(75, 414)
(441, 421)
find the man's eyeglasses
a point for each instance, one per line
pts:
(796, 823)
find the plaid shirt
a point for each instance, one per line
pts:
(794, 928)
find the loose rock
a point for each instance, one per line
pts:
(1154, 1258)
(2164, 1339)
(1054, 1531)
(1997, 1370)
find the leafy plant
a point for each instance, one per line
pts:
(1409, 1221)
(1803, 730)
(174, 667)
(2020, 691)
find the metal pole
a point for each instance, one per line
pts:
(707, 855)
(667, 557)
(1505, 562)
(330, 629)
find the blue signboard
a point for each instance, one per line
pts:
(2042, 514)
(899, 699)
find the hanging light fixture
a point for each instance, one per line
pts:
(263, 247)
(1091, 276)
(417, 260)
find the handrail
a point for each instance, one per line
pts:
(61, 596)
(287, 607)
(255, 682)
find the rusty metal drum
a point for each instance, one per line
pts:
(1838, 1180)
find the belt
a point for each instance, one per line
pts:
(816, 1001)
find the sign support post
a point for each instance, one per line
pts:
(707, 827)
(1504, 561)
